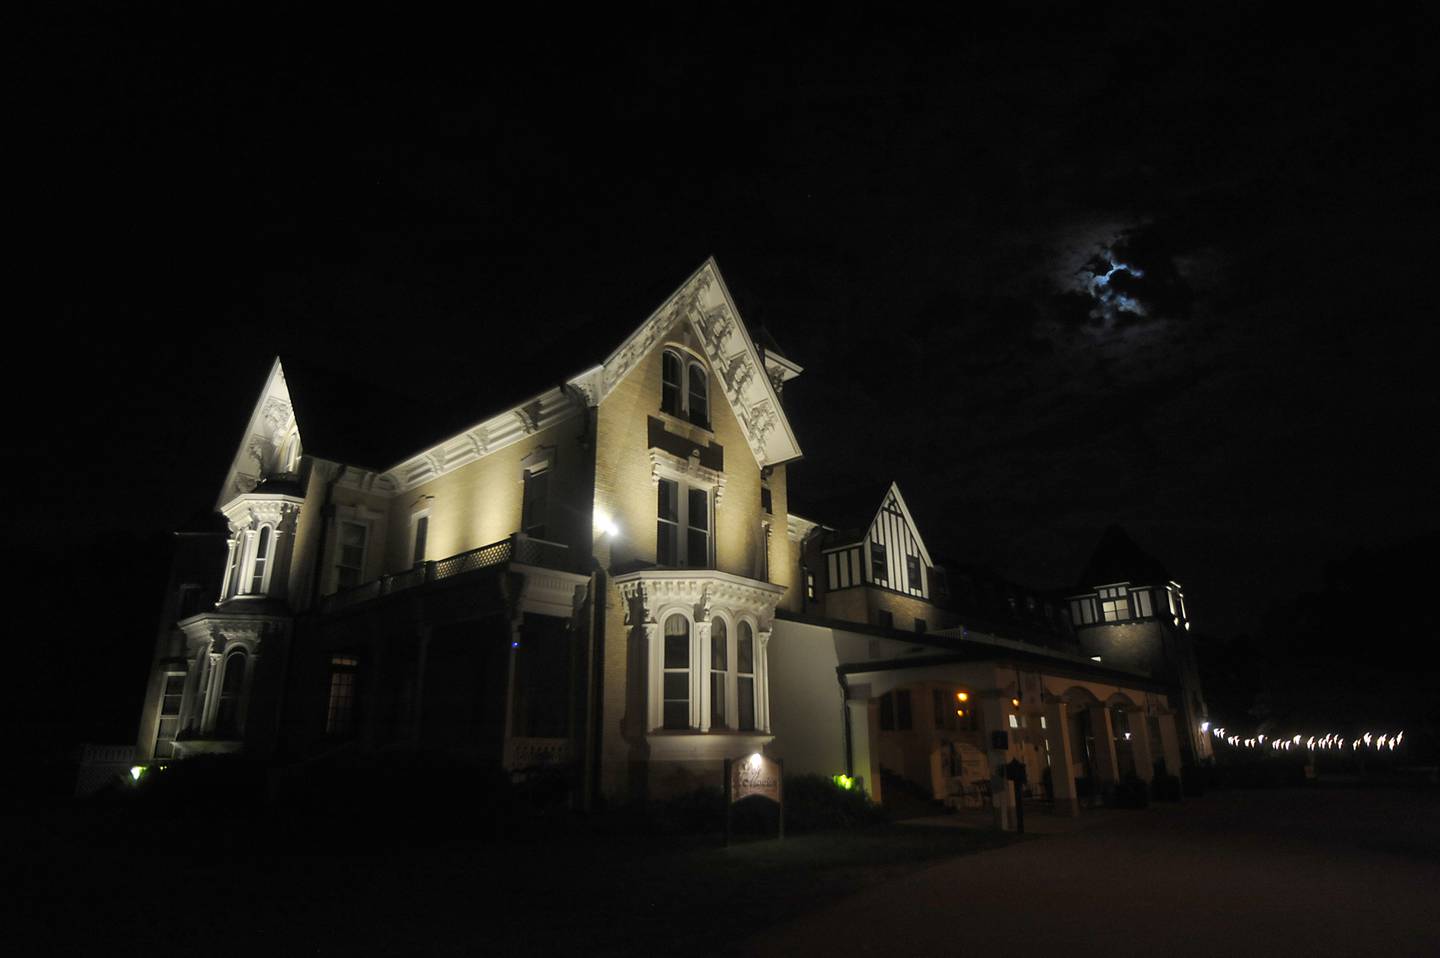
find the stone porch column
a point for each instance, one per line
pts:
(1170, 744)
(1107, 766)
(1062, 762)
(1141, 747)
(1002, 793)
(863, 716)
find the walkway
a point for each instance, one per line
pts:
(1340, 872)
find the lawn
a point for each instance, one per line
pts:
(217, 881)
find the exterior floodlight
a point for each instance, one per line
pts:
(605, 524)
(136, 771)
(1204, 726)
(755, 760)
(1094, 658)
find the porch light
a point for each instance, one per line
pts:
(960, 712)
(1015, 703)
(962, 696)
(136, 771)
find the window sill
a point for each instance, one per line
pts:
(694, 746)
(684, 427)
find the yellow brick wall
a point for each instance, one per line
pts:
(624, 491)
(479, 503)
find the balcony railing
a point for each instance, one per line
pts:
(515, 548)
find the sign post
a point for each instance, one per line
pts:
(754, 775)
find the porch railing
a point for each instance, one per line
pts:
(514, 548)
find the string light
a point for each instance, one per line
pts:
(1382, 741)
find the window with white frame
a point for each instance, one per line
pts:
(745, 677)
(719, 671)
(169, 724)
(350, 553)
(1143, 608)
(685, 387)
(676, 680)
(1114, 603)
(259, 560)
(682, 507)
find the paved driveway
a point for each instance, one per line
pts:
(1343, 872)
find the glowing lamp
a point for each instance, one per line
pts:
(1015, 703)
(605, 524)
(755, 760)
(960, 712)
(962, 696)
(136, 771)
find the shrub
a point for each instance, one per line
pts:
(1131, 793)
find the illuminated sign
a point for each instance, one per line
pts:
(750, 776)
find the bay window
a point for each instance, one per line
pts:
(676, 688)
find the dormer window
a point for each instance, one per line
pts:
(684, 388)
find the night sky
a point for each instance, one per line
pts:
(1047, 270)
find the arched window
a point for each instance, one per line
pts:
(719, 671)
(232, 686)
(670, 377)
(684, 387)
(745, 677)
(699, 395)
(676, 688)
(257, 564)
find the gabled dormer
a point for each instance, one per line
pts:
(888, 552)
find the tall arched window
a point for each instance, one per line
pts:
(676, 688)
(699, 395)
(232, 686)
(684, 387)
(719, 671)
(258, 563)
(236, 572)
(745, 677)
(671, 373)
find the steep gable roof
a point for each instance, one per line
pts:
(270, 424)
(704, 301)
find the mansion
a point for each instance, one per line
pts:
(607, 579)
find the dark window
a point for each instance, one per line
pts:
(745, 672)
(719, 671)
(422, 529)
(944, 709)
(886, 618)
(676, 691)
(697, 552)
(913, 578)
(340, 718)
(232, 686)
(670, 375)
(902, 710)
(887, 712)
(349, 568)
(532, 512)
(920, 625)
(765, 500)
(878, 571)
(667, 527)
(699, 395)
